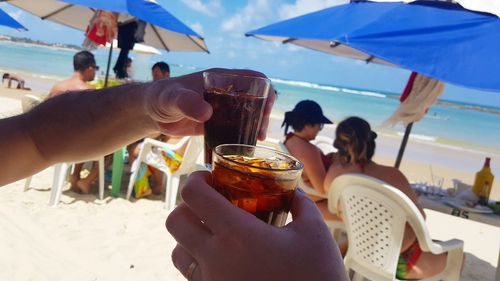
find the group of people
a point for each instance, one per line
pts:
(85, 68)
(355, 144)
(216, 241)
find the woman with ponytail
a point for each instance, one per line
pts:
(306, 120)
(355, 142)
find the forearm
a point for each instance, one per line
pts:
(84, 125)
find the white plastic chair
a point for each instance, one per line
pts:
(149, 156)
(60, 174)
(324, 143)
(375, 215)
(336, 227)
(307, 189)
(28, 102)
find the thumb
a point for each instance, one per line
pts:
(304, 208)
(170, 106)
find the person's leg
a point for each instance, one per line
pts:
(157, 175)
(133, 152)
(75, 176)
(85, 185)
(427, 265)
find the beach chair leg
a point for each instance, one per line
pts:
(171, 192)
(27, 183)
(133, 177)
(60, 171)
(101, 178)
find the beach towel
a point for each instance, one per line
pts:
(157, 158)
(141, 185)
(420, 93)
(101, 29)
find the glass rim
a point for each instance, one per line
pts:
(237, 75)
(297, 168)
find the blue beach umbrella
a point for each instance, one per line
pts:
(162, 31)
(441, 40)
(9, 21)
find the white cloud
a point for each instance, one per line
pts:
(301, 7)
(16, 15)
(256, 12)
(197, 27)
(210, 8)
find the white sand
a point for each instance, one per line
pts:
(115, 239)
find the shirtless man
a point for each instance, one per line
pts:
(84, 71)
(85, 68)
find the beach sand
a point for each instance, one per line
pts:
(115, 239)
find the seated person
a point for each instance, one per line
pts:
(307, 120)
(12, 77)
(157, 175)
(355, 142)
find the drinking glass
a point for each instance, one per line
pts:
(258, 179)
(238, 103)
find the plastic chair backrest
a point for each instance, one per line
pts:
(324, 143)
(193, 150)
(375, 215)
(29, 101)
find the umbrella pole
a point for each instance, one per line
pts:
(403, 145)
(108, 66)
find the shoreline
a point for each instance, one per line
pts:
(461, 161)
(381, 94)
(420, 158)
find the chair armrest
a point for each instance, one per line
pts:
(445, 246)
(167, 145)
(311, 191)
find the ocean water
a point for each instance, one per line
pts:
(450, 125)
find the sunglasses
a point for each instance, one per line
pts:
(95, 67)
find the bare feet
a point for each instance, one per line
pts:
(84, 186)
(72, 180)
(157, 190)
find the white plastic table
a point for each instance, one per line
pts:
(440, 206)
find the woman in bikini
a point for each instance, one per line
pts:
(355, 142)
(307, 120)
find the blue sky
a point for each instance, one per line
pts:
(223, 23)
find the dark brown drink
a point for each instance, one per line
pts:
(261, 186)
(236, 119)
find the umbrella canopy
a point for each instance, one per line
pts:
(163, 31)
(488, 6)
(438, 39)
(9, 21)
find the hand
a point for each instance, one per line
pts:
(178, 107)
(228, 243)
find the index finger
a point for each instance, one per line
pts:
(213, 209)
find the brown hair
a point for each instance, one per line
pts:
(355, 141)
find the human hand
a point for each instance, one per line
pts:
(178, 107)
(227, 243)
